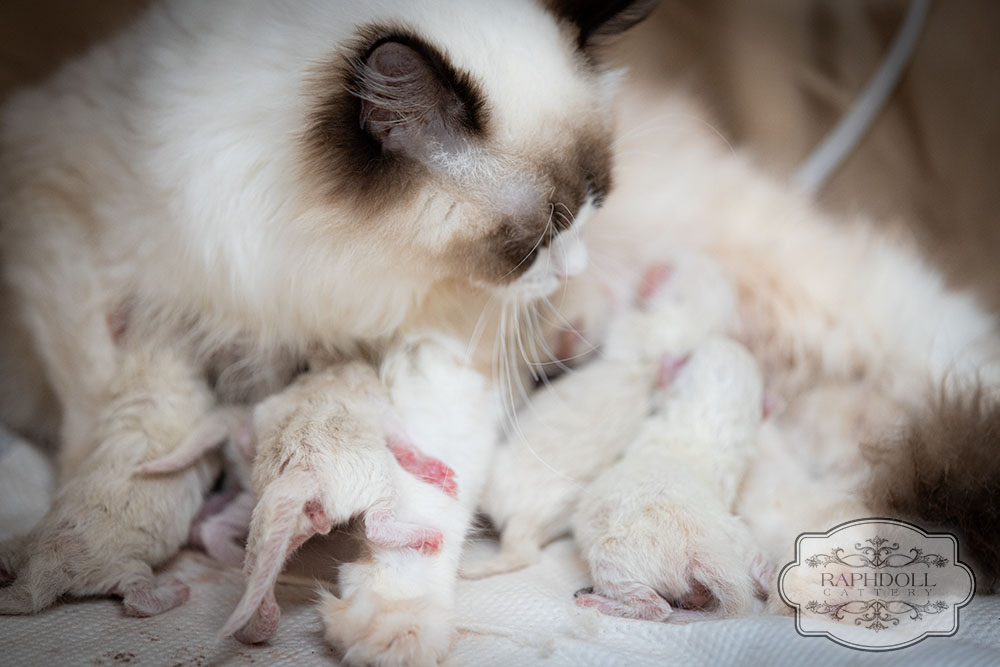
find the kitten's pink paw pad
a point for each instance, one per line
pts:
(430, 543)
(670, 368)
(262, 626)
(317, 515)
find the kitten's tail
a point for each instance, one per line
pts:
(943, 471)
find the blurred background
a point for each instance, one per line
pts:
(775, 76)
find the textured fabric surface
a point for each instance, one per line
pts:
(523, 618)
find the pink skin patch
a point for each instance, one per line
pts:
(425, 468)
(264, 623)
(670, 367)
(653, 279)
(566, 344)
(772, 405)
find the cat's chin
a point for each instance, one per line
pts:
(565, 258)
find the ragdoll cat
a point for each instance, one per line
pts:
(258, 179)
(251, 182)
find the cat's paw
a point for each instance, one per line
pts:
(375, 630)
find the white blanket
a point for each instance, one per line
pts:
(523, 618)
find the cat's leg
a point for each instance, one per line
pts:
(105, 520)
(386, 531)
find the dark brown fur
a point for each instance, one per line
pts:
(943, 472)
(350, 163)
(600, 19)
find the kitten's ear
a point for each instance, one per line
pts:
(412, 101)
(602, 19)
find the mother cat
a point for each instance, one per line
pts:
(226, 188)
(244, 183)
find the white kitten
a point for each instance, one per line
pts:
(574, 428)
(657, 528)
(322, 458)
(222, 524)
(107, 528)
(396, 606)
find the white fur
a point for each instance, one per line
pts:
(106, 528)
(321, 460)
(222, 532)
(573, 429)
(657, 527)
(396, 606)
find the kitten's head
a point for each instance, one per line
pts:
(472, 138)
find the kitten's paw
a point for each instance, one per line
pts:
(703, 563)
(374, 630)
(149, 598)
(640, 602)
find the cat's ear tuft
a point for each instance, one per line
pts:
(599, 20)
(413, 102)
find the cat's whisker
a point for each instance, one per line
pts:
(530, 253)
(477, 332)
(512, 425)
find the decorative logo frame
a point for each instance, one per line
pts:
(892, 585)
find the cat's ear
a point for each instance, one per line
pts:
(599, 20)
(413, 101)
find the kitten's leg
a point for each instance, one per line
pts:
(661, 518)
(520, 545)
(105, 519)
(384, 530)
(396, 607)
(219, 533)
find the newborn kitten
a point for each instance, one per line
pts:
(396, 606)
(107, 528)
(220, 528)
(574, 428)
(657, 528)
(322, 458)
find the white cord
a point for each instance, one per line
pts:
(831, 153)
